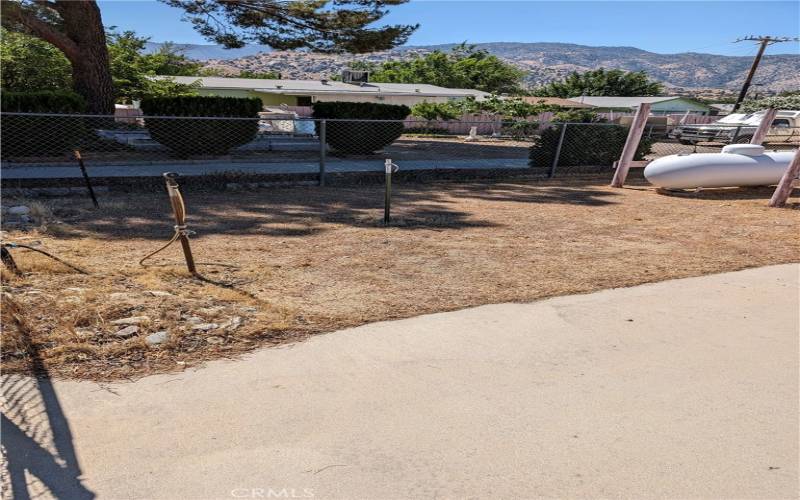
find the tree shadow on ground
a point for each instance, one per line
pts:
(297, 212)
(36, 436)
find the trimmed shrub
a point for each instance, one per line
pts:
(197, 136)
(584, 145)
(355, 137)
(41, 135)
(520, 129)
(578, 116)
(53, 101)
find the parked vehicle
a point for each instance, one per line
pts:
(738, 128)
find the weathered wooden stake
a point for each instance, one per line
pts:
(631, 144)
(764, 126)
(8, 260)
(784, 188)
(179, 210)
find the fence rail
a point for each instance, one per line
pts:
(319, 146)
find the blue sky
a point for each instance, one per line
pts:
(665, 27)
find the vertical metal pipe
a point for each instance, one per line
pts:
(736, 134)
(323, 149)
(387, 198)
(558, 151)
(86, 178)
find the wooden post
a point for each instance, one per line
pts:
(764, 126)
(179, 210)
(784, 188)
(763, 42)
(553, 165)
(631, 143)
(8, 260)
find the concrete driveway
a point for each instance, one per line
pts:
(687, 388)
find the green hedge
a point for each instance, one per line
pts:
(41, 135)
(584, 145)
(358, 137)
(197, 136)
(55, 101)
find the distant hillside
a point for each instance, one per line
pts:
(543, 62)
(206, 52)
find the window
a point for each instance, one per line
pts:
(781, 123)
(304, 100)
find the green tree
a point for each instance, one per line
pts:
(76, 29)
(788, 101)
(507, 107)
(435, 111)
(463, 67)
(30, 64)
(169, 60)
(601, 82)
(578, 116)
(133, 71)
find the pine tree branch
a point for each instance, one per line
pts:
(16, 15)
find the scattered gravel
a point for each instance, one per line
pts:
(132, 320)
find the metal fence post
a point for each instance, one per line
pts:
(86, 178)
(387, 196)
(736, 134)
(558, 151)
(323, 148)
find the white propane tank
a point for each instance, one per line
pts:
(737, 165)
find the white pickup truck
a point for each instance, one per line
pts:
(739, 128)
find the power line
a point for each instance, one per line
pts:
(763, 41)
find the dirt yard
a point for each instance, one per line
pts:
(312, 260)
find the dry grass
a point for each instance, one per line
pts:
(313, 260)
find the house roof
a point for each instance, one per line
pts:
(556, 101)
(722, 106)
(316, 87)
(624, 102)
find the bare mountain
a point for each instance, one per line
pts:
(543, 62)
(204, 52)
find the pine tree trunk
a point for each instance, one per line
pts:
(91, 71)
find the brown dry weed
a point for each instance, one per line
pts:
(311, 260)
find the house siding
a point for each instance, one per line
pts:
(389, 99)
(266, 99)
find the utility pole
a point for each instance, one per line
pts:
(763, 41)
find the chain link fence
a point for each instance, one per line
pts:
(712, 137)
(307, 145)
